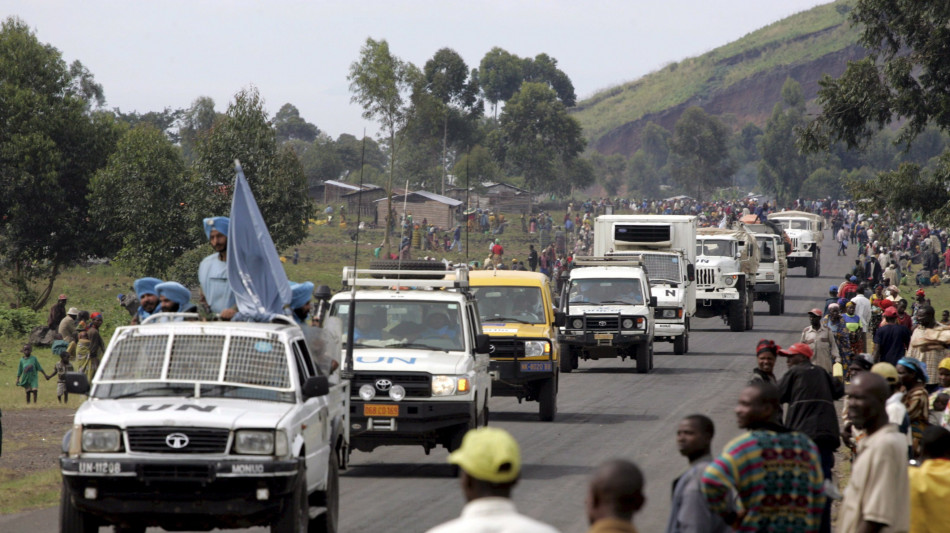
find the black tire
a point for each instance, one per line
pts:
(750, 312)
(295, 515)
(455, 441)
(818, 265)
(679, 345)
(811, 267)
(737, 316)
(329, 521)
(72, 520)
(775, 303)
(547, 400)
(409, 264)
(652, 353)
(643, 358)
(564, 359)
(783, 302)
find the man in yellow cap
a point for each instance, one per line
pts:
(489, 464)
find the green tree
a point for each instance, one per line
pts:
(380, 82)
(352, 155)
(167, 121)
(643, 174)
(290, 126)
(50, 146)
(543, 69)
(539, 140)
(610, 171)
(655, 142)
(142, 202)
(700, 153)
(784, 167)
(500, 74)
(320, 161)
(196, 121)
(476, 167)
(902, 80)
(273, 172)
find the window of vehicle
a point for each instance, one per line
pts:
(510, 304)
(794, 224)
(766, 249)
(404, 324)
(606, 291)
(715, 248)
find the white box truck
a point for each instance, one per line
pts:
(666, 245)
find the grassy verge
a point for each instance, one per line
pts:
(32, 491)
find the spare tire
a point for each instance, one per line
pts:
(410, 264)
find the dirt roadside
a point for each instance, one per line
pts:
(32, 440)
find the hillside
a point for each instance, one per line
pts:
(743, 78)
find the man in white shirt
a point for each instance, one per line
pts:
(489, 462)
(862, 306)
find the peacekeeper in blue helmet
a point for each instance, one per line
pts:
(300, 301)
(175, 298)
(213, 270)
(148, 298)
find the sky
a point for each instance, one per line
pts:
(149, 55)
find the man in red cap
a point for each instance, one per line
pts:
(821, 340)
(890, 340)
(57, 313)
(810, 393)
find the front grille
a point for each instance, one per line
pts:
(506, 348)
(417, 384)
(795, 243)
(642, 233)
(176, 472)
(705, 276)
(660, 266)
(602, 322)
(157, 440)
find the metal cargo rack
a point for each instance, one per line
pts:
(610, 260)
(365, 277)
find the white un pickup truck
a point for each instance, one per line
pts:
(201, 425)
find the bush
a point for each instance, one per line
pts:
(18, 321)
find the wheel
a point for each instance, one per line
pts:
(651, 356)
(328, 522)
(737, 315)
(295, 515)
(679, 345)
(811, 267)
(547, 400)
(775, 303)
(455, 442)
(72, 520)
(643, 359)
(564, 361)
(783, 302)
(686, 342)
(818, 265)
(750, 313)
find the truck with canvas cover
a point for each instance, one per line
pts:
(726, 264)
(666, 245)
(517, 312)
(608, 312)
(805, 231)
(420, 359)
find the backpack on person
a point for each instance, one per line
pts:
(59, 347)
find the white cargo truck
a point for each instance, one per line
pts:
(726, 263)
(666, 245)
(773, 267)
(805, 231)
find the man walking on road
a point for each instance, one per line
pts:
(877, 497)
(489, 462)
(821, 340)
(614, 495)
(775, 473)
(690, 512)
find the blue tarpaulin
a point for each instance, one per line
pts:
(255, 272)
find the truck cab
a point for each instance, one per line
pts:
(196, 425)
(420, 359)
(726, 264)
(517, 311)
(608, 312)
(805, 232)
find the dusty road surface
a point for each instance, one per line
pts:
(605, 410)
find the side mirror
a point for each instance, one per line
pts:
(691, 272)
(653, 301)
(77, 383)
(316, 386)
(559, 318)
(482, 343)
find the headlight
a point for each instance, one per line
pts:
(730, 280)
(669, 313)
(367, 392)
(536, 348)
(101, 440)
(397, 392)
(577, 323)
(443, 385)
(627, 323)
(254, 442)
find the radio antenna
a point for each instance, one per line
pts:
(347, 372)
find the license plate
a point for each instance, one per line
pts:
(603, 336)
(540, 366)
(100, 467)
(380, 410)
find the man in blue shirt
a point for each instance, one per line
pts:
(213, 270)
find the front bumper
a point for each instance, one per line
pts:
(599, 339)
(717, 295)
(801, 255)
(511, 378)
(767, 287)
(668, 329)
(408, 422)
(180, 493)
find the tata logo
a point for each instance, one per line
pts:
(176, 440)
(383, 385)
(602, 323)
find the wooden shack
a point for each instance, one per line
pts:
(498, 197)
(436, 209)
(365, 203)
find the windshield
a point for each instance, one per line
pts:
(606, 291)
(793, 224)
(766, 249)
(510, 304)
(172, 365)
(408, 325)
(715, 248)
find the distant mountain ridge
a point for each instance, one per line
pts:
(743, 79)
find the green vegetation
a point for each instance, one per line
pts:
(40, 489)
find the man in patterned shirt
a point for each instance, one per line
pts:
(774, 473)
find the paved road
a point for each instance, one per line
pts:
(606, 410)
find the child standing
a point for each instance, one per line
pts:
(26, 375)
(60, 370)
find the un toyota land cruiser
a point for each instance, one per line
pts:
(197, 425)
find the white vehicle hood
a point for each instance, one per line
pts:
(431, 361)
(227, 413)
(608, 309)
(724, 264)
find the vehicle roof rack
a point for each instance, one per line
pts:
(626, 260)
(164, 318)
(367, 277)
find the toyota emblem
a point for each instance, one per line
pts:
(176, 440)
(383, 385)
(491, 348)
(602, 323)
